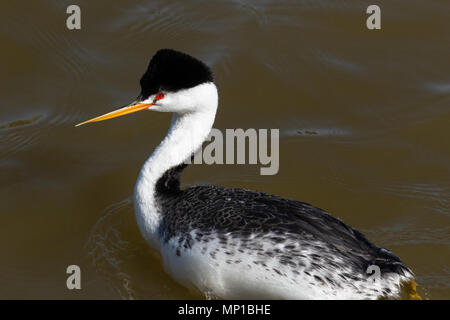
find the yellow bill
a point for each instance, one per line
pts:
(134, 107)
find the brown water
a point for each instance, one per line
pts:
(363, 115)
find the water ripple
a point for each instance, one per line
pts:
(19, 135)
(121, 255)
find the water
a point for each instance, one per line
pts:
(364, 121)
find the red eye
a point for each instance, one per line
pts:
(159, 96)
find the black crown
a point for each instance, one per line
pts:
(171, 70)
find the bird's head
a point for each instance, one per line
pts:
(174, 82)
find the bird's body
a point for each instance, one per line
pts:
(235, 243)
(243, 244)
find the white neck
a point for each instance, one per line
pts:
(186, 134)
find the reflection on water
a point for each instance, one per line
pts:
(363, 119)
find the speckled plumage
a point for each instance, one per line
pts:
(299, 237)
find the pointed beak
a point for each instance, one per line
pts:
(133, 107)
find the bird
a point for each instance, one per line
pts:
(232, 243)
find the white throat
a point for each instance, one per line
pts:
(187, 132)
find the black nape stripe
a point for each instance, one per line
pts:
(169, 183)
(171, 70)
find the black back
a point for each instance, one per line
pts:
(171, 70)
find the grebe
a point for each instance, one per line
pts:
(235, 243)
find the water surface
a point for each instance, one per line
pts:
(364, 120)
